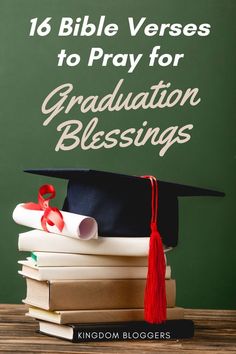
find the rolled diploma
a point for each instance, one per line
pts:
(77, 226)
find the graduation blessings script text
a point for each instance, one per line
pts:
(70, 101)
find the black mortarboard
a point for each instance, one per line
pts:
(121, 203)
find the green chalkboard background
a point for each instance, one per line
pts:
(204, 262)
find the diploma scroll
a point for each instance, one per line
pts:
(76, 226)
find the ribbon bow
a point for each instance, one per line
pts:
(51, 216)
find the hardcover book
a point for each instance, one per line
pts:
(37, 240)
(56, 273)
(171, 329)
(98, 316)
(91, 294)
(52, 259)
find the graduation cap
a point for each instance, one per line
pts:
(131, 206)
(121, 204)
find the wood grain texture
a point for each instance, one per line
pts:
(215, 333)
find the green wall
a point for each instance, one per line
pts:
(204, 262)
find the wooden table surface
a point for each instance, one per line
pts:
(215, 332)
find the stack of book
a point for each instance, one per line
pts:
(86, 290)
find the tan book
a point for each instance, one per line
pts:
(91, 294)
(98, 316)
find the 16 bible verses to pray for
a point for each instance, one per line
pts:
(93, 134)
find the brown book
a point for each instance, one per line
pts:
(98, 316)
(91, 294)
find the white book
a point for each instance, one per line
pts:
(98, 316)
(37, 240)
(82, 273)
(50, 259)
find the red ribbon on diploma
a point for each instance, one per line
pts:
(52, 216)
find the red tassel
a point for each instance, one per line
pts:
(155, 291)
